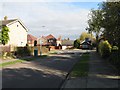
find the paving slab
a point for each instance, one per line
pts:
(101, 75)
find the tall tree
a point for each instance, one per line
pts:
(94, 23)
(111, 22)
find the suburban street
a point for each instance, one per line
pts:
(48, 72)
(59, 44)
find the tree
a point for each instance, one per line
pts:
(94, 23)
(0, 38)
(85, 35)
(106, 17)
(77, 43)
(4, 35)
(111, 22)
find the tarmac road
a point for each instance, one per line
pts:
(48, 72)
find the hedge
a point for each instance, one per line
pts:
(104, 48)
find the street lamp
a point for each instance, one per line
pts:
(41, 42)
(40, 46)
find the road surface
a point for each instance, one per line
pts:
(48, 72)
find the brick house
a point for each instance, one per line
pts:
(31, 39)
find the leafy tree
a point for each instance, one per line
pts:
(106, 19)
(0, 38)
(85, 35)
(111, 22)
(4, 37)
(94, 23)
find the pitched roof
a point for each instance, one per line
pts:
(9, 22)
(67, 42)
(49, 36)
(5, 22)
(31, 37)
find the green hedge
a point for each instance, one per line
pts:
(23, 51)
(104, 49)
(114, 57)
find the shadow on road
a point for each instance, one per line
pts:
(29, 78)
(48, 72)
(58, 62)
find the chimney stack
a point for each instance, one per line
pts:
(5, 18)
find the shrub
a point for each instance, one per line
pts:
(104, 48)
(114, 57)
(114, 48)
(77, 43)
(23, 51)
(6, 55)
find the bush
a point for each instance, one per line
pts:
(77, 44)
(104, 48)
(114, 48)
(114, 57)
(7, 55)
(23, 51)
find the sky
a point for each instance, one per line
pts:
(61, 18)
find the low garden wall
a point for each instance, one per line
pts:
(30, 50)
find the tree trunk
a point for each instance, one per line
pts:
(97, 43)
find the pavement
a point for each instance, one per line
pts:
(101, 75)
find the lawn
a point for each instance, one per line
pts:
(82, 67)
(11, 62)
(53, 52)
(21, 60)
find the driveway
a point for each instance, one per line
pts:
(48, 72)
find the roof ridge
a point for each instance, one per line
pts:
(31, 36)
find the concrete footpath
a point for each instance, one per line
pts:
(101, 75)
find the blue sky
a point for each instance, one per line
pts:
(68, 19)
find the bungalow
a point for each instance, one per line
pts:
(18, 32)
(66, 44)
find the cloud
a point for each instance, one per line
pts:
(61, 18)
(52, 0)
(1, 10)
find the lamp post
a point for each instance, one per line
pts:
(41, 42)
(40, 46)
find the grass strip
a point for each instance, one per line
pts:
(21, 60)
(82, 67)
(53, 52)
(11, 62)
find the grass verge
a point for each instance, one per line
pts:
(82, 67)
(53, 52)
(21, 60)
(11, 62)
